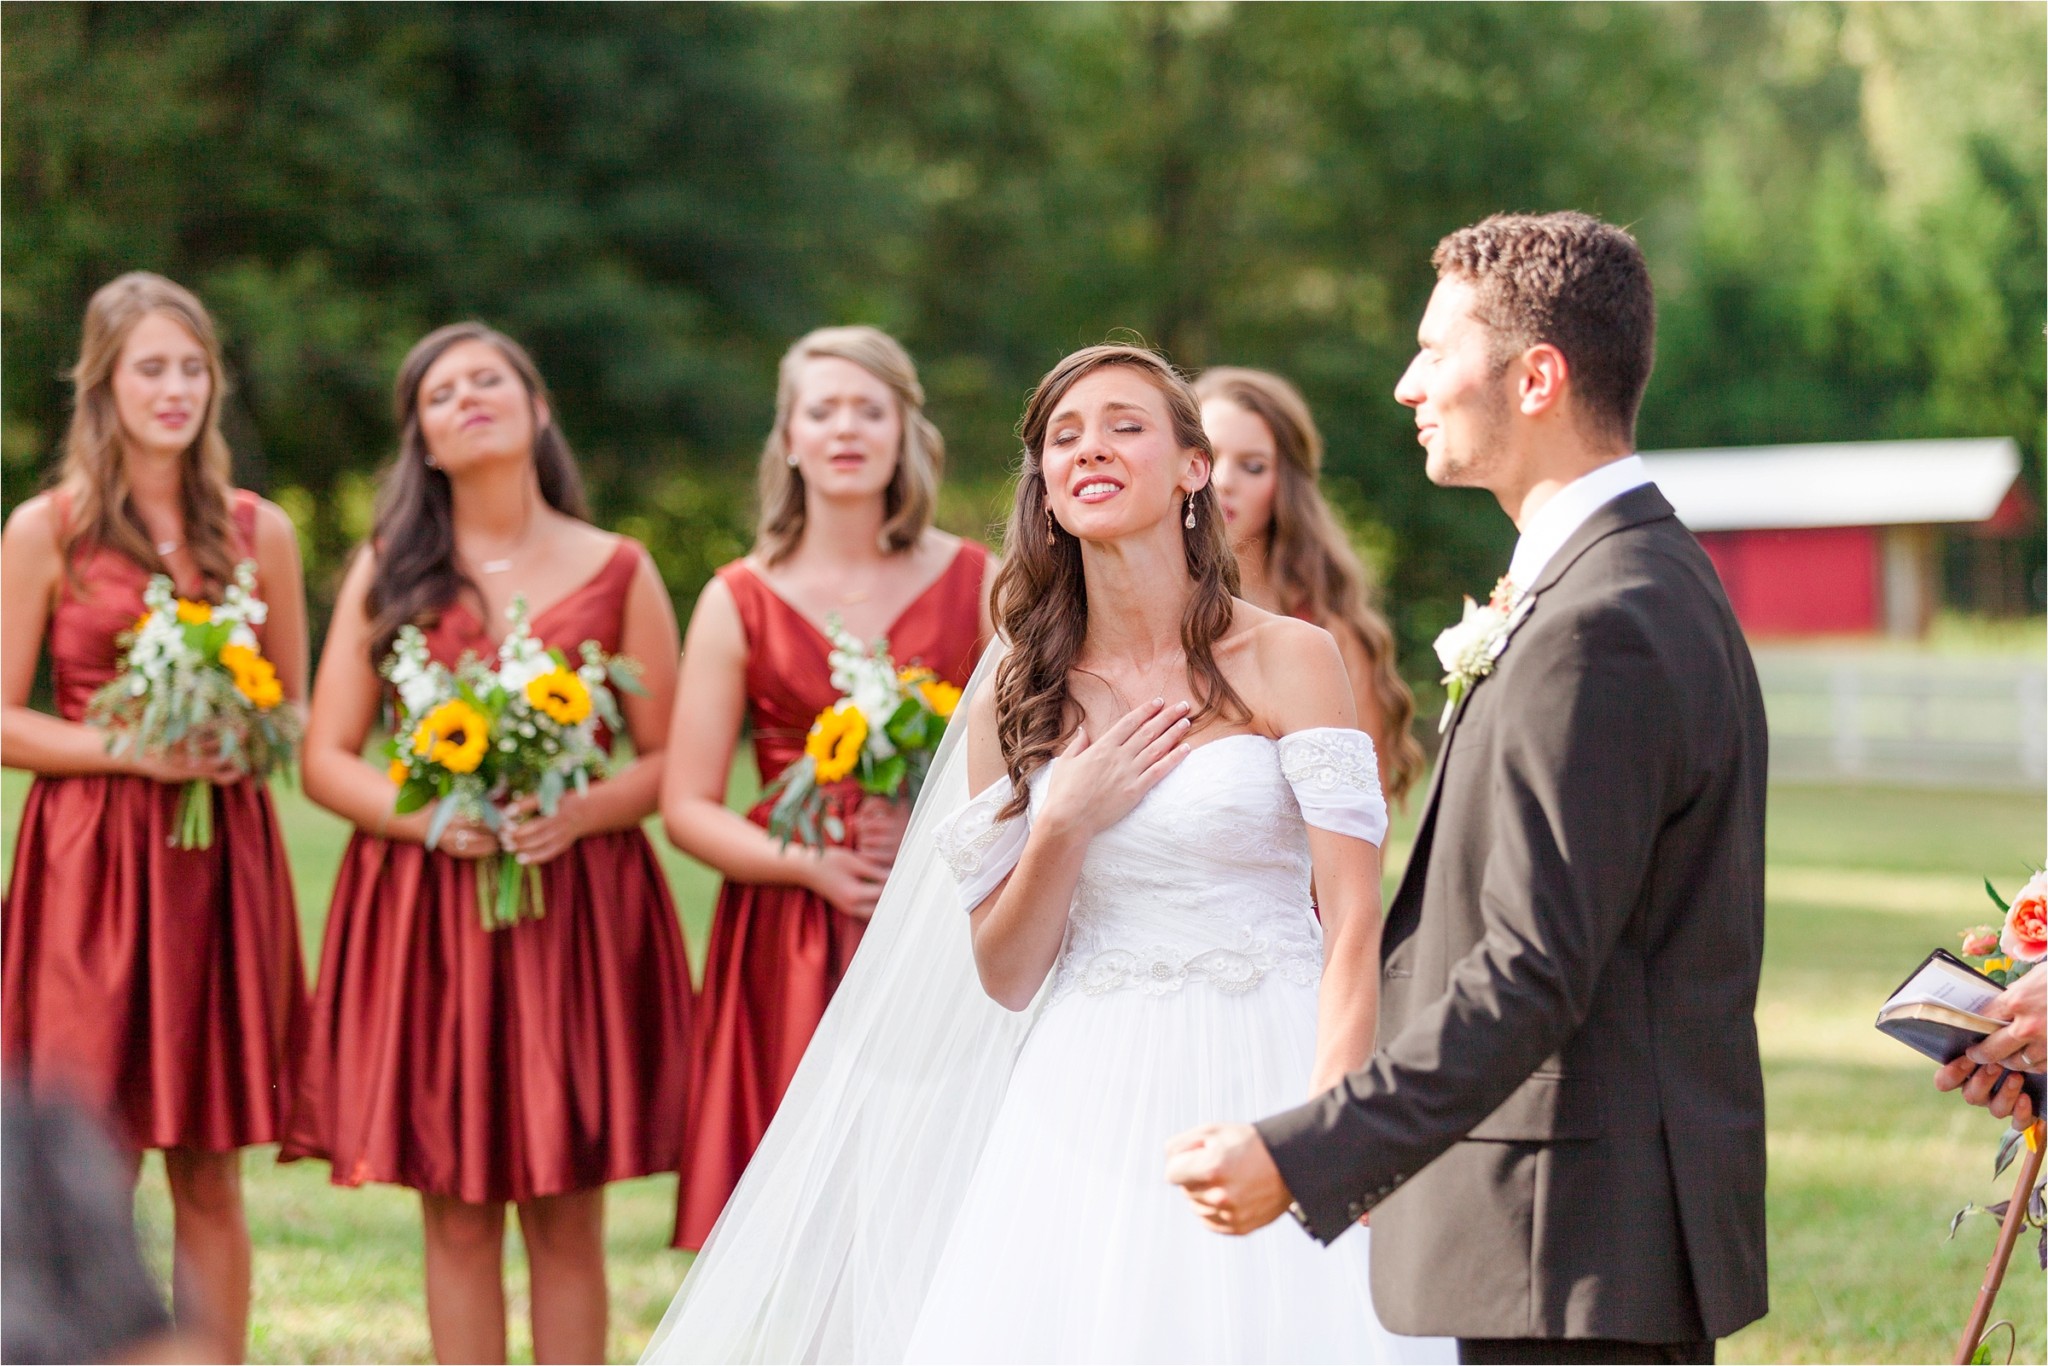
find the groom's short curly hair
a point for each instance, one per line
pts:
(1572, 281)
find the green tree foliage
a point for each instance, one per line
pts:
(1843, 206)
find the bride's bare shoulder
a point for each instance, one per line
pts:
(1289, 671)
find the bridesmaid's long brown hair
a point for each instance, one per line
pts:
(94, 474)
(417, 576)
(1318, 574)
(1041, 598)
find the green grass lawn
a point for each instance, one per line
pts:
(1867, 1162)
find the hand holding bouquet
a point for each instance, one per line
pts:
(478, 738)
(881, 733)
(194, 684)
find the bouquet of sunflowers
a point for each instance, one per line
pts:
(476, 738)
(881, 732)
(193, 681)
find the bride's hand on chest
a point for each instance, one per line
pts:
(1097, 781)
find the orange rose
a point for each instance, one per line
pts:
(2026, 924)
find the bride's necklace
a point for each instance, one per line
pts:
(1118, 693)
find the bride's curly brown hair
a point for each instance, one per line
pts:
(1041, 598)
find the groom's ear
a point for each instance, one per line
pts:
(1541, 381)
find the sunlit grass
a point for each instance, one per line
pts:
(1867, 1161)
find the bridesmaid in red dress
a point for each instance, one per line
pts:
(1292, 553)
(848, 479)
(528, 1065)
(161, 986)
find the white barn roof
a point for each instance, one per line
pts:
(1851, 483)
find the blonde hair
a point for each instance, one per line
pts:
(913, 490)
(1318, 574)
(94, 473)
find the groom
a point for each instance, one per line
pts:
(1561, 1135)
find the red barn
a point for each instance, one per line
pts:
(1840, 539)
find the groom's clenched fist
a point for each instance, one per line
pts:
(1228, 1174)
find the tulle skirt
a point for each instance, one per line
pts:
(1071, 1246)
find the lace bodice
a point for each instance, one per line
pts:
(1206, 881)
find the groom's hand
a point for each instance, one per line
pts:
(1229, 1176)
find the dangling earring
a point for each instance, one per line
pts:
(1050, 539)
(1189, 520)
(790, 460)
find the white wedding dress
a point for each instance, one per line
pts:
(946, 1180)
(1185, 992)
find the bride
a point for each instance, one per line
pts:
(1112, 941)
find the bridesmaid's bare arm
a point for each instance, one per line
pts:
(32, 567)
(346, 693)
(629, 796)
(710, 705)
(281, 583)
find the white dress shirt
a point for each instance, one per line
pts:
(1567, 511)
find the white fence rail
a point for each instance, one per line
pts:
(1902, 718)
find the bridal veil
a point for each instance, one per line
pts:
(829, 1242)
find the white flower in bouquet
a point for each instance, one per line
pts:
(869, 681)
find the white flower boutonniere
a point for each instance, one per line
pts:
(1469, 649)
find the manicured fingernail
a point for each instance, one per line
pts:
(1184, 749)
(1158, 701)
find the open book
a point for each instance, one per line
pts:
(1937, 1009)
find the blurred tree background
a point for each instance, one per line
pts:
(1843, 206)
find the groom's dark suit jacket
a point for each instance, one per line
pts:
(1562, 1131)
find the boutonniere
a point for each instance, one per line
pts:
(1469, 649)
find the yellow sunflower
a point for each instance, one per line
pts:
(454, 735)
(561, 694)
(397, 772)
(915, 675)
(255, 677)
(835, 741)
(942, 697)
(192, 613)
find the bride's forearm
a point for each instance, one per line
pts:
(1018, 930)
(1348, 1002)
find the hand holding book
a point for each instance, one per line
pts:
(1986, 1027)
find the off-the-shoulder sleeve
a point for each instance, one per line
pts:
(980, 848)
(1336, 779)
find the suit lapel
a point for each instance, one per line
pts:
(1645, 503)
